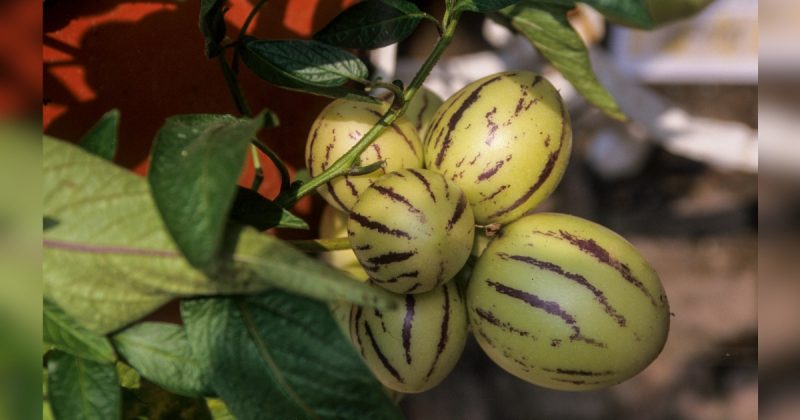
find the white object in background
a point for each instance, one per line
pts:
(385, 61)
(724, 144)
(614, 153)
(720, 45)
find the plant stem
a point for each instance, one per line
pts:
(233, 85)
(321, 245)
(346, 161)
(284, 172)
(258, 178)
(243, 32)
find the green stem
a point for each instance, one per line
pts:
(321, 245)
(233, 85)
(243, 31)
(258, 178)
(284, 172)
(346, 161)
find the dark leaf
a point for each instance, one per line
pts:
(547, 28)
(282, 354)
(371, 24)
(195, 166)
(151, 402)
(82, 389)
(253, 209)
(212, 25)
(305, 65)
(101, 139)
(160, 352)
(66, 334)
(628, 12)
(482, 6)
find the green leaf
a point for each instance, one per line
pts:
(305, 65)
(68, 335)
(82, 389)
(253, 209)
(282, 354)
(212, 25)
(481, 6)
(628, 12)
(128, 376)
(547, 28)
(195, 166)
(371, 24)
(101, 139)
(219, 411)
(110, 261)
(161, 353)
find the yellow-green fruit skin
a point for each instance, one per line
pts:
(567, 304)
(414, 347)
(333, 224)
(421, 109)
(505, 139)
(412, 230)
(338, 128)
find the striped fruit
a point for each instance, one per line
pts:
(338, 128)
(506, 140)
(567, 304)
(333, 224)
(412, 230)
(421, 109)
(415, 346)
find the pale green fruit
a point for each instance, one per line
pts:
(333, 224)
(421, 109)
(505, 140)
(338, 128)
(412, 230)
(567, 304)
(414, 347)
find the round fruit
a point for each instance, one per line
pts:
(333, 224)
(338, 128)
(415, 346)
(505, 139)
(412, 230)
(567, 304)
(421, 109)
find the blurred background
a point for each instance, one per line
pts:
(680, 180)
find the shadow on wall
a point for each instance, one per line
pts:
(146, 59)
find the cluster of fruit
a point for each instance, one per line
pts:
(553, 299)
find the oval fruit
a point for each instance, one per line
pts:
(567, 304)
(412, 230)
(414, 347)
(333, 224)
(421, 109)
(505, 140)
(338, 128)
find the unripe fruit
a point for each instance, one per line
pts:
(415, 346)
(421, 109)
(505, 139)
(567, 304)
(412, 230)
(333, 224)
(338, 128)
